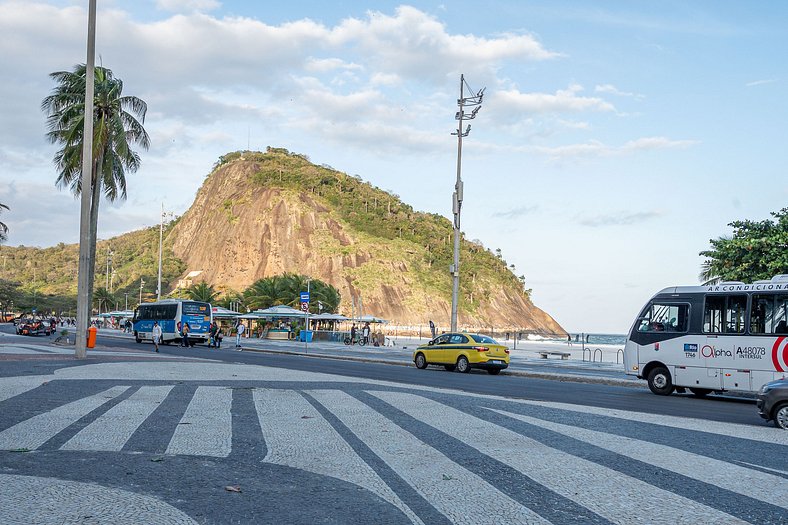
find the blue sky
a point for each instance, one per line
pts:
(616, 138)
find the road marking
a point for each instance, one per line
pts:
(206, 427)
(459, 494)
(13, 386)
(34, 432)
(111, 430)
(764, 434)
(559, 471)
(765, 487)
(298, 436)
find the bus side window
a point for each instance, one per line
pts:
(762, 314)
(664, 318)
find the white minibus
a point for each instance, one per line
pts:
(713, 338)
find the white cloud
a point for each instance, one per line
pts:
(180, 6)
(613, 90)
(760, 82)
(622, 218)
(595, 148)
(514, 102)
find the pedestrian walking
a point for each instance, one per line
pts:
(156, 334)
(353, 334)
(365, 333)
(239, 332)
(219, 336)
(185, 338)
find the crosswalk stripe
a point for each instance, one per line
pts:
(298, 436)
(556, 470)
(13, 386)
(459, 494)
(111, 430)
(765, 487)
(34, 432)
(206, 427)
(764, 434)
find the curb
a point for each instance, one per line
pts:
(571, 378)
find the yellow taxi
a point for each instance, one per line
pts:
(463, 351)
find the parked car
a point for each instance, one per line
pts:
(773, 402)
(35, 327)
(462, 352)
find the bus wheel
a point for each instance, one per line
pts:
(659, 381)
(700, 392)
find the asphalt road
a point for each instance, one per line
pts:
(716, 408)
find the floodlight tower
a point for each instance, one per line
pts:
(475, 102)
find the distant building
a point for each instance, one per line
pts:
(188, 280)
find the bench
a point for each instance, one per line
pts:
(564, 355)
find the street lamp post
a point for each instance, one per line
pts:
(463, 102)
(142, 283)
(109, 258)
(127, 300)
(161, 238)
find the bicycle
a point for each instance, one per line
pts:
(356, 340)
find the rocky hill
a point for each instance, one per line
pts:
(261, 214)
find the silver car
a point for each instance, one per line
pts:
(773, 402)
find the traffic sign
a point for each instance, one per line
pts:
(305, 307)
(304, 297)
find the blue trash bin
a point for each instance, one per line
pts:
(305, 336)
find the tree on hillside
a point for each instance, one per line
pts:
(3, 227)
(757, 250)
(202, 292)
(118, 124)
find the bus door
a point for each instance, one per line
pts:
(724, 325)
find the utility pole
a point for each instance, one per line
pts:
(83, 299)
(474, 101)
(142, 283)
(127, 301)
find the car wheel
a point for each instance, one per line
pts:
(421, 361)
(700, 392)
(463, 366)
(494, 371)
(659, 381)
(781, 416)
(450, 368)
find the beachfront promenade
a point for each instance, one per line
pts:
(601, 363)
(272, 436)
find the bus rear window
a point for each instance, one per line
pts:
(196, 308)
(662, 317)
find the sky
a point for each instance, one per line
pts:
(614, 140)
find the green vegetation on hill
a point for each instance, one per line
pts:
(423, 239)
(47, 277)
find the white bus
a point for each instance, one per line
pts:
(171, 314)
(727, 336)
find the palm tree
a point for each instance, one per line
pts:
(202, 292)
(267, 292)
(326, 295)
(103, 297)
(3, 227)
(118, 124)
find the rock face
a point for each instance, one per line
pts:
(240, 229)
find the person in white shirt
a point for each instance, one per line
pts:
(156, 333)
(239, 333)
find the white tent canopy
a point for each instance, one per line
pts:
(328, 317)
(279, 310)
(220, 312)
(369, 319)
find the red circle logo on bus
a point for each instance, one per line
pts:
(780, 354)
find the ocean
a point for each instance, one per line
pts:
(591, 339)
